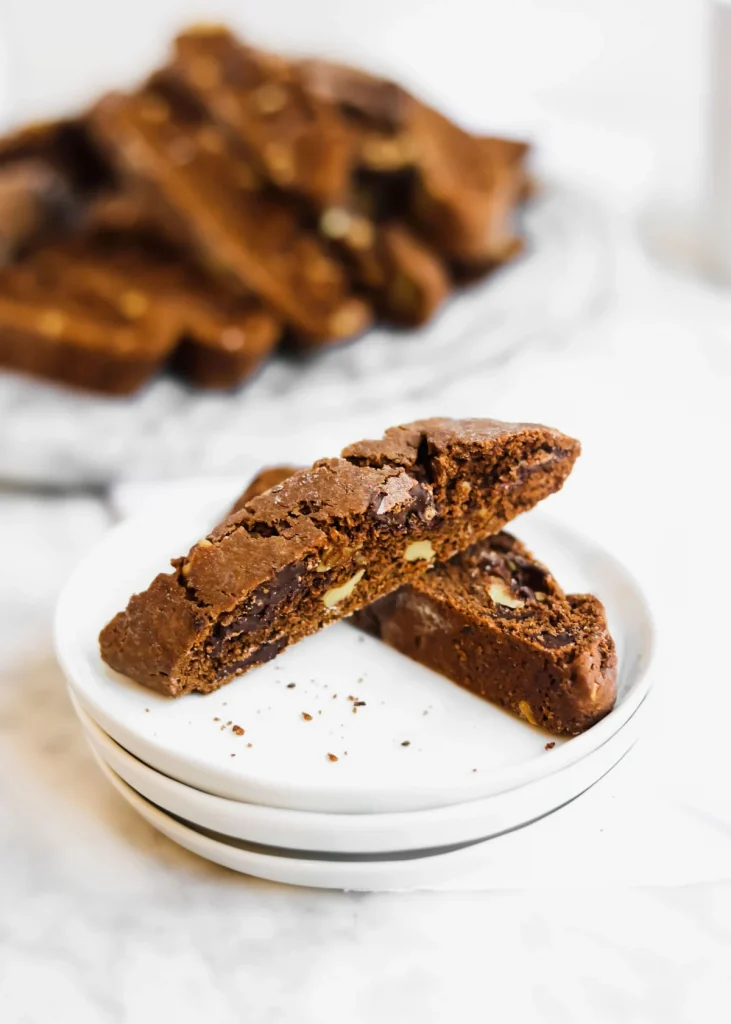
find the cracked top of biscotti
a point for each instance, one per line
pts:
(329, 540)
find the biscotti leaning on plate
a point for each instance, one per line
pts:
(495, 620)
(329, 541)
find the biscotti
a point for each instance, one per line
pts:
(223, 335)
(495, 621)
(240, 231)
(302, 143)
(295, 140)
(90, 334)
(329, 541)
(461, 189)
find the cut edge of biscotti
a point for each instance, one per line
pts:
(494, 620)
(328, 541)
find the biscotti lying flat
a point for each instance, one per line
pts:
(306, 143)
(329, 541)
(460, 190)
(237, 229)
(494, 620)
(88, 333)
(303, 200)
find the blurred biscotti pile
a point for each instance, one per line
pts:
(235, 202)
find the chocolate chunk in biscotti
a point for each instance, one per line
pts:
(35, 204)
(71, 330)
(64, 145)
(48, 171)
(239, 229)
(460, 189)
(328, 541)
(494, 620)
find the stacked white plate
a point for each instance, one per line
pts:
(341, 763)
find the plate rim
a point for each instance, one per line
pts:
(302, 872)
(309, 825)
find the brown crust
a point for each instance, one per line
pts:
(264, 481)
(328, 541)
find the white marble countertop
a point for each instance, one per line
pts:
(104, 921)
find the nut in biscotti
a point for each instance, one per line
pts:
(256, 589)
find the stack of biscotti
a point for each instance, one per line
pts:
(405, 532)
(237, 199)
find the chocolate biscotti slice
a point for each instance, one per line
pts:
(223, 335)
(58, 324)
(461, 190)
(329, 541)
(162, 140)
(494, 620)
(302, 144)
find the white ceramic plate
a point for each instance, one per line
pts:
(364, 833)
(460, 747)
(399, 873)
